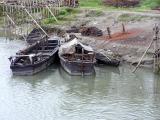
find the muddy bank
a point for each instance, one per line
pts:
(129, 46)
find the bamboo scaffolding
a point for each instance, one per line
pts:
(155, 38)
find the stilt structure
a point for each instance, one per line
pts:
(156, 64)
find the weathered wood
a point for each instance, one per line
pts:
(109, 32)
(30, 61)
(123, 28)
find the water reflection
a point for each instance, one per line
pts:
(37, 78)
(74, 82)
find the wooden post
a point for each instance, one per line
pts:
(123, 28)
(109, 32)
(156, 37)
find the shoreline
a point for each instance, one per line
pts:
(131, 48)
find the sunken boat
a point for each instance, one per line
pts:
(35, 58)
(102, 58)
(77, 58)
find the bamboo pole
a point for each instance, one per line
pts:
(52, 13)
(143, 56)
(14, 24)
(59, 5)
(35, 22)
(44, 9)
(41, 9)
(22, 12)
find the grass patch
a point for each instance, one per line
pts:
(94, 13)
(150, 4)
(98, 4)
(128, 17)
(90, 3)
(65, 15)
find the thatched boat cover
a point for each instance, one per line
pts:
(69, 47)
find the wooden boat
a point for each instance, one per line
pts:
(106, 60)
(35, 58)
(77, 58)
(35, 35)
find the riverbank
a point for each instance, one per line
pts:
(129, 46)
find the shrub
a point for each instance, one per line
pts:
(122, 3)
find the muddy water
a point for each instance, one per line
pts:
(111, 94)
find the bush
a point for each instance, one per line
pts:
(90, 3)
(63, 12)
(151, 3)
(122, 3)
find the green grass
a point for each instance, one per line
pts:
(65, 15)
(69, 14)
(90, 3)
(97, 4)
(127, 17)
(150, 4)
(94, 13)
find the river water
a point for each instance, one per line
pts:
(111, 94)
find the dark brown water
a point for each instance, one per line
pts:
(112, 94)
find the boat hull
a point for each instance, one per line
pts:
(35, 68)
(77, 67)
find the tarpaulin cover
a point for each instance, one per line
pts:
(69, 47)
